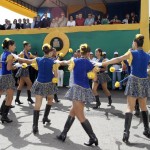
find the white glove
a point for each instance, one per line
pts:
(99, 64)
(17, 65)
(15, 56)
(57, 61)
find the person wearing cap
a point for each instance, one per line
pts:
(92, 58)
(43, 86)
(105, 56)
(117, 74)
(138, 85)
(23, 74)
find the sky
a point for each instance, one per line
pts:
(10, 15)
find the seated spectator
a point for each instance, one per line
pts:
(98, 20)
(15, 25)
(54, 23)
(20, 24)
(105, 20)
(33, 22)
(93, 16)
(38, 22)
(80, 20)
(24, 23)
(27, 25)
(89, 21)
(133, 18)
(7, 25)
(126, 20)
(115, 20)
(71, 22)
(105, 56)
(62, 22)
(46, 22)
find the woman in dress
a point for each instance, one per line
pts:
(80, 93)
(23, 73)
(43, 86)
(102, 78)
(138, 85)
(7, 82)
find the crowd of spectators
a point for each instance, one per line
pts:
(62, 21)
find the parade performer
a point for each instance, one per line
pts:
(138, 85)
(43, 86)
(102, 78)
(23, 73)
(7, 82)
(80, 93)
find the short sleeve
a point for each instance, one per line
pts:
(90, 66)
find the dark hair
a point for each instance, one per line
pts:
(25, 43)
(139, 39)
(7, 42)
(84, 49)
(100, 51)
(78, 50)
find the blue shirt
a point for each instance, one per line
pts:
(4, 56)
(45, 69)
(82, 67)
(139, 63)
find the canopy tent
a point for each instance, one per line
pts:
(54, 3)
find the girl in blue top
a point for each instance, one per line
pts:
(80, 93)
(7, 82)
(138, 85)
(43, 86)
(23, 73)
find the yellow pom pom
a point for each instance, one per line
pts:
(7, 39)
(91, 75)
(70, 50)
(112, 69)
(55, 80)
(2, 45)
(117, 84)
(61, 54)
(24, 65)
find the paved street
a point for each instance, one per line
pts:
(107, 123)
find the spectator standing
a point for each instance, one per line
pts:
(80, 20)
(24, 23)
(71, 22)
(126, 20)
(105, 20)
(38, 22)
(62, 22)
(46, 21)
(20, 25)
(133, 18)
(54, 23)
(117, 73)
(33, 22)
(98, 20)
(115, 20)
(89, 21)
(27, 25)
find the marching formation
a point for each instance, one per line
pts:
(80, 92)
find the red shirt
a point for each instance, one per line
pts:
(80, 22)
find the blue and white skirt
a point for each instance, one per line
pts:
(7, 82)
(102, 78)
(138, 87)
(79, 93)
(22, 72)
(43, 89)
